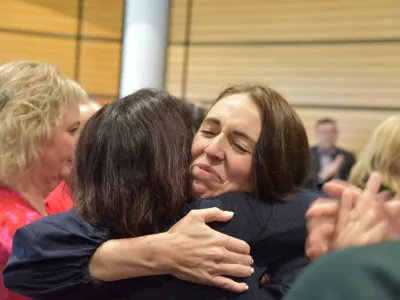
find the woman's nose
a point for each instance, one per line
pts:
(215, 151)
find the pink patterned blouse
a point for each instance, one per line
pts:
(15, 212)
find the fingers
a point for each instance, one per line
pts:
(336, 187)
(393, 208)
(369, 195)
(372, 217)
(235, 245)
(384, 196)
(212, 215)
(323, 207)
(229, 284)
(374, 183)
(235, 270)
(346, 206)
(236, 258)
(315, 248)
(377, 234)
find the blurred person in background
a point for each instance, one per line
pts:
(327, 160)
(382, 155)
(364, 245)
(60, 199)
(39, 123)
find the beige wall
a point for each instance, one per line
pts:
(329, 58)
(82, 36)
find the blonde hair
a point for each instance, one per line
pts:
(33, 100)
(381, 154)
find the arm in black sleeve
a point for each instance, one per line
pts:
(50, 258)
(276, 233)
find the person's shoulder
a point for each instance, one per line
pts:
(344, 152)
(233, 201)
(314, 149)
(306, 196)
(63, 223)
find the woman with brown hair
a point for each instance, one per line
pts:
(250, 157)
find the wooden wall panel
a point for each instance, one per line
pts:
(58, 17)
(103, 18)
(174, 74)
(25, 47)
(178, 21)
(364, 75)
(355, 126)
(47, 30)
(293, 20)
(100, 65)
(338, 58)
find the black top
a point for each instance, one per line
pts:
(50, 257)
(343, 174)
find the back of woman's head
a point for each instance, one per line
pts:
(33, 99)
(382, 154)
(281, 160)
(132, 163)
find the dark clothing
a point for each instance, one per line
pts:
(313, 180)
(50, 257)
(360, 273)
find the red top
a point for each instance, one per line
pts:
(59, 200)
(15, 212)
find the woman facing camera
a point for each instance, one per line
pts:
(39, 119)
(250, 157)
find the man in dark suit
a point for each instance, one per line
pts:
(327, 160)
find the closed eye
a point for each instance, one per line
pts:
(73, 131)
(207, 132)
(240, 148)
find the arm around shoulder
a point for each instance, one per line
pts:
(51, 262)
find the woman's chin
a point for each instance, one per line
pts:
(198, 189)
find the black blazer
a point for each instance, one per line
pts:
(315, 168)
(49, 257)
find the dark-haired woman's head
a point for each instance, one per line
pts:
(132, 163)
(253, 141)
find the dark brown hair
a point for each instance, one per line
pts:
(325, 121)
(281, 160)
(132, 163)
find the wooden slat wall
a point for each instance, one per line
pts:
(82, 36)
(337, 59)
(56, 50)
(103, 18)
(58, 17)
(99, 69)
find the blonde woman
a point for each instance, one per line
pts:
(39, 120)
(382, 154)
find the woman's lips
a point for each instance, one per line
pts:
(207, 170)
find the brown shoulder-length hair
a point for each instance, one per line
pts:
(281, 159)
(132, 163)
